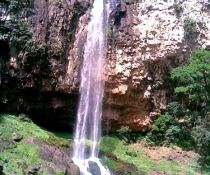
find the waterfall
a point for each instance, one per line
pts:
(91, 92)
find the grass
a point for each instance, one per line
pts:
(64, 135)
(18, 155)
(140, 158)
(10, 124)
(122, 151)
(113, 165)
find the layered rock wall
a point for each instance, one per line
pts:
(46, 86)
(148, 40)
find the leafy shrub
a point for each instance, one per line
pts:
(164, 131)
(174, 109)
(201, 138)
(189, 27)
(132, 152)
(178, 8)
(124, 133)
(193, 81)
(17, 33)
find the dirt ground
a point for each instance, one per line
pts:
(172, 154)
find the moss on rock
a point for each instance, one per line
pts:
(37, 148)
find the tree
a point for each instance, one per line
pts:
(193, 80)
(187, 124)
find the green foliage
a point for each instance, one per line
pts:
(193, 83)
(165, 131)
(189, 27)
(201, 141)
(122, 151)
(161, 123)
(17, 33)
(29, 150)
(201, 138)
(193, 80)
(16, 156)
(125, 134)
(175, 109)
(111, 163)
(140, 158)
(185, 123)
(178, 8)
(60, 142)
(132, 152)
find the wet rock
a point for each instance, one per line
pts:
(94, 168)
(159, 173)
(6, 144)
(55, 156)
(21, 116)
(24, 117)
(17, 137)
(33, 169)
(1, 149)
(48, 169)
(1, 168)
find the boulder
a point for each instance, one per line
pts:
(33, 169)
(16, 137)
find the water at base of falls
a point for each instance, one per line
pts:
(91, 93)
(92, 166)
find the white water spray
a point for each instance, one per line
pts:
(91, 93)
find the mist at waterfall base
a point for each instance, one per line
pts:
(91, 93)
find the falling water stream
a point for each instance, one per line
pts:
(91, 92)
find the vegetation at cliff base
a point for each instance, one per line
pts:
(120, 156)
(17, 156)
(186, 122)
(145, 159)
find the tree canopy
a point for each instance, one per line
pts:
(193, 79)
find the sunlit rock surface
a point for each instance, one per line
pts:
(147, 41)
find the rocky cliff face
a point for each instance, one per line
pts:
(146, 39)
(41, 85)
